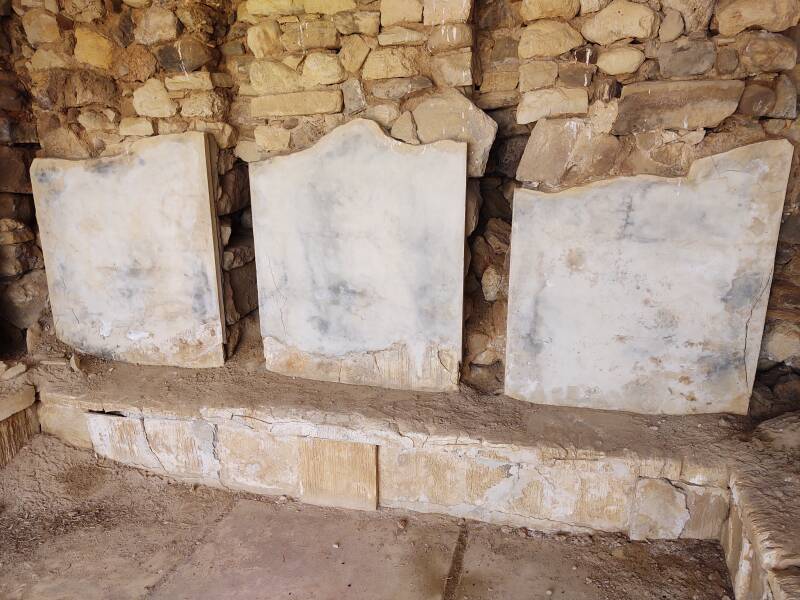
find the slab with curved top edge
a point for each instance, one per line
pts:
(646, 293)
(359, 254)
(130, 248)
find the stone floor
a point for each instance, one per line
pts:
(75, 526)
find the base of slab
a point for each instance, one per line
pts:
(487, 458)
(15, 432)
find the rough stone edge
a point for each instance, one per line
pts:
(15, 432)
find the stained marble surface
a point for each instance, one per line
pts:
(643, 293)
(130, 252)
(359, 255)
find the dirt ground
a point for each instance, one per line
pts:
(73, 526)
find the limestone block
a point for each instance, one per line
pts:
(138, 126)
(14, 232)
(451, 116)
(695, 13)
(734, 16)
(274, 7)
(620, 60)
(328, 7)
(309, 35)
(624, 280)
(255, 461)
(367, 22)
(16, 259)
(122, 439)
(297, 103)
(446, 11)
(345, 320)
(386, 63)
(204, 104)
(23, 300)
(547, 39)
(199, 80)
(240, 293)
(685, 57)
(452, 70)
(93, 49)
(272, 138)
(67, 423)
(353, 53)
(537, 74)
(450, 36)
(401, 36)
(15, 399)
(116, 296)
(156, 25)
(183, 56)
(264, 39)
(152, 100)
(400, 11)
(14, 164)
(676, 105)
(763, 52)
(334, 473)
(184, 449)
(549, 9)
(619, 20)
(322, 69)
(41, 27)
(552, 102)
(708, 510)
(273, 77)
(659, 510)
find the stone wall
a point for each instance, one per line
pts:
(576, 91)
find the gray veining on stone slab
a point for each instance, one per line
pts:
(359, 254)
(131, 253)
(644, 293)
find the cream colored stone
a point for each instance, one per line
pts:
(537, 74)
(322, 69)
(152, 100)
(253, 460)
(620, 19)
(41, 27)
(449, 36)
(264, 39)
(552, 102)
(44, 59)
(343, 474)
(274, 7)
(184, 449)
(708, 510)
(671, 26)
(139, 126)
(734, 16)
(533, 10)
(405, 129)
(386, 63)
(659, 510)
(310, 35)
(401, 36)
(447, 11)
(353, 53)
(400, 11)
(122, 439)
(452, 70)
(328, 7)
(272, 138)
(156, 25)
(297, 103)
(67, 423)
(14, 400)
(205, 104)
(197, 80)
(224, 135)
(92, 119)
(271, 77)
(367, 22)
(497, 81)
(548, 38)
(93, 49)
(383, 114)
(620, 60)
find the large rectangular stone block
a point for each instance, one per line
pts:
(645, 293)
(130, 246)
(359, 253)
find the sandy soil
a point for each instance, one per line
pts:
(75, 526)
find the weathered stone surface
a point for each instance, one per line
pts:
(41, 27)
(15, 433)
(549, 9)
(450, 36)
(620, 60)
(757, 100)
(16, 259)
(274, 7)
(199, 80)
(552, 102)
(695, 13)
(15, 400)
(437, 12)
(367, 22)
(645, 352)
(264, 39)
(22, 300)
(452, 70)
(272, 138)
(149, 310)
(686, 57)
(322, 69)
(734, 16)
(328, 7)
(334, 324)
(451, 116)
(671, 26)
(136, 63)
(204, 104)
(676, 105)
(273, 77)
(548, 38)
(185, 55)
(353, 53)
(659, 510)
(401, 36)
(66, 422)
(620, 19)
(138, 126)
(762, 52)
(400, 11)
(387, 63)
(405, 129)
(239, 292)
(14, 232)
(310, 35)
(537, 74)
(93, 49)
(566, 152)
(781, 433)
(334, 473)
(399, 87)
(156, 25)
(708, 510)
(152, 100)
(781, 343)
(297, 103)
